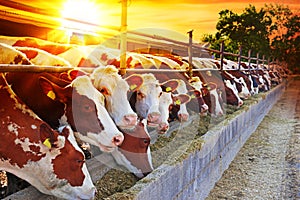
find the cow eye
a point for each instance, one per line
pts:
(146, 141)
(87, 107)
(80, 162)
(141, 95)
(160, 94)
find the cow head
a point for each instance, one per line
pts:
(115, 88)
(213, 99)
(85, 112)
(232, 96)
(197, 103)
(147, 100)
(134, 153)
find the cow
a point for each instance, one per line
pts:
(41, 57)
(242, 82)
(166, 101)
(50, 47)
(49, 160)
(134, 153)
(115, 88)
(232, 93)
(145, 101)
(214, 90)
(78, 103)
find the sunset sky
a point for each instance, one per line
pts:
(184, 15)
(162, 17)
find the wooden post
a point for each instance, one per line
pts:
(123, 38)
(263, 61)
(222, 55)
(239, 58)
(190, 53)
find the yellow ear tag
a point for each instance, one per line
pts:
(132, 87)
(168, 89)
(51, 95)
(47, 143)
(193, 96)
(177, 102)
(208, 88)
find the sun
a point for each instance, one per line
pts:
(82, 15)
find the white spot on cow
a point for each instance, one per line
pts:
(13, 128)
(33, 126)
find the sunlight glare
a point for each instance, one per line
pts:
(84, 12)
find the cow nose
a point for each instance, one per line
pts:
(154, 117)
(163, 127)
(146, 173)
(204, 108)
(220, 113)
(130, 119)
(240, 103)
(118, 139)
(183, 117)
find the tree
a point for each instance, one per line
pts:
(270, 31)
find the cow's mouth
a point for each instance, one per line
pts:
(152, 125)
(106, 148)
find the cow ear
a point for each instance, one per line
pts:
(211, 86)
(134, 81)
(181, 99)
(52, 90)
(73, 73)
(47, 135)
(194, 94)
(169, 86)
(64, 76)
(204, 91)
(65, 131)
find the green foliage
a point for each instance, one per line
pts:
(273, 31)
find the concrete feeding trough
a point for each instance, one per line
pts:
(191, 171)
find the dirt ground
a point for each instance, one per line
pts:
(268, 165)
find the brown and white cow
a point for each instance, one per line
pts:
(134, 153)
(145, 101)
(212, 88)
(50, 161)
(166, 101)
(50, 47)
(41, 57)
(115, 88)
(78, 103)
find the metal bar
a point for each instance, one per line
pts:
(239, 58)
(33, 68)
(249, 59)
(222, 55)
(123, 42)
(190, 53)
(257, 61)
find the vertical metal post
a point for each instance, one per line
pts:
(263, 61)
(123, 38)
(249, 60)
(257, 61)
(222, 55)
(268, 63)
(190, 53)
(239, 58)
